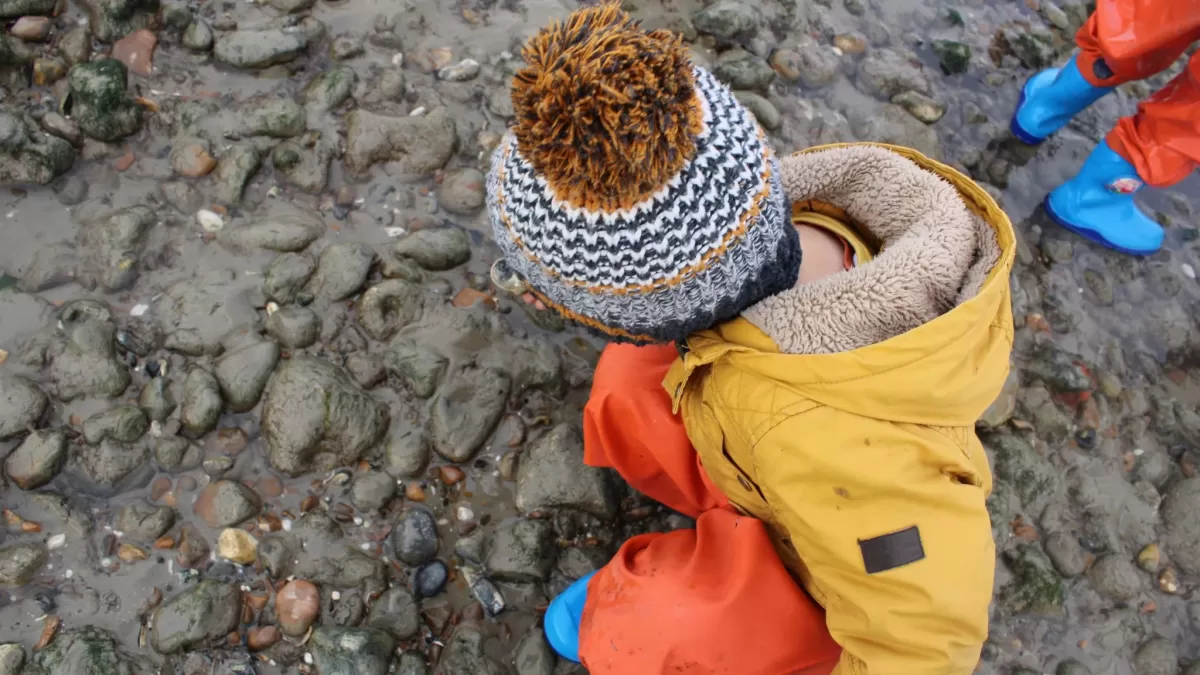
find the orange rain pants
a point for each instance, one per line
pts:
(1137, 39)
(713, 600)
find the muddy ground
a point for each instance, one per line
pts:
(261, 411)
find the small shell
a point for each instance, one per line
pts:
(210, 221)
(1168, 581)
(398, 59)
(56, 541)
(272, 308)
(49, 630)
(139, 309)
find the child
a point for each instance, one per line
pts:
(816, 417)
(1123, 41)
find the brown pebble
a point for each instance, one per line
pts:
(269, 522)
(193, 548)
(262, 637)
(345, 196)
(170, 500)
(193, 161)
(128, 553)
(414, 492)
(231, 440)
(233, 639)
(310, 502)
(163, 543)
(247, 613)
(136, 51)
(160, 487)
(257, 600)
(125, 161)
(508, 465)
(31, 28)
(451, 475)
(850, 43)
(49, 630)
(270, 487)
(296, 607)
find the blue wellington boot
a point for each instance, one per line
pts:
(1098, 204)
(562, 618)
(1050, 99)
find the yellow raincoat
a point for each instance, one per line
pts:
(864, 463)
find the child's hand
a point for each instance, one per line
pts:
(537, 304)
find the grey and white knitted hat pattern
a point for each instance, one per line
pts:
(715, 239)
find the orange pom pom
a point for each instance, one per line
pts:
(606, 112)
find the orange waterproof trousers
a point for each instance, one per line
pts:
(1137, 39)
(711, 600)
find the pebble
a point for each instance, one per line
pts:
(31, 28)
(1066, 554)
(226, 503)
(296, 607)
(1115, 578)
(467, 69)
(136, 51)
(397, 612)
(262, 637)
(210, 221)
(451, 475)
(198, 36)
(372, 491)
(462, 191)
(430, 579)
(1157, 656)
(1188, 271)
(237, 545)
(193, 160)
(415, 537)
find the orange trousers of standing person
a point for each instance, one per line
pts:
(1135, 39)
(706, 601)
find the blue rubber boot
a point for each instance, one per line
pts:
(562, 619)
(1050, 99)
(1098, 204)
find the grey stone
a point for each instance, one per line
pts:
(125, 424)
(283, 233)
(175, 453)
(202, 403)
(234, 169)
(108, 465)
(83, 651)
(226, 503)
(12, 658)
(251, 49)
(1179, 514)
(885, 73)
(275, 117)
(114, 19)
(388, 306)
(920, 106)
(330, 88)
(533, 655)
(26, 154)
(892, 124)
(292, 6)
(430, 579)
(351, 651)
(143, 521)
(464, 654)
(372, 490)
(366, 369)
(552, 475)
(99, 102)
(397, 612)
(198, 36)
(417, 145)
(415, 537)
(38, 459)
(1068, 556)
(201, 614)
(1060, 371)
(76, 45)
(156, 399)
(316, 418)
(305, 166)
(294, 327)
(742, 70)
(342, 270)
(15, 9)
(521, 551)
(111, 248)
(19, 562)
(1033, 477)
(461, 191)
(419, 368)
(1035, 588)
(764, 111)
(435, 249)
(22, 405)
(243, 374)
(816, 64)
(412, 663)
(287, 275)
(467, 410)
(728, 20)
(577, 562)
(1157, 656)
(1115, 578)
(407, 452)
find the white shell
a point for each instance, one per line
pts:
(210, 221)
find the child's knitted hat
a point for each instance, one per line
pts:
(634, 194)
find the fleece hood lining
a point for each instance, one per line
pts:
(934, 253)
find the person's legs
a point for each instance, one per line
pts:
(1122, 41)
(1159, 146)
(714, 600)
(689, 600)
(628, 425)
